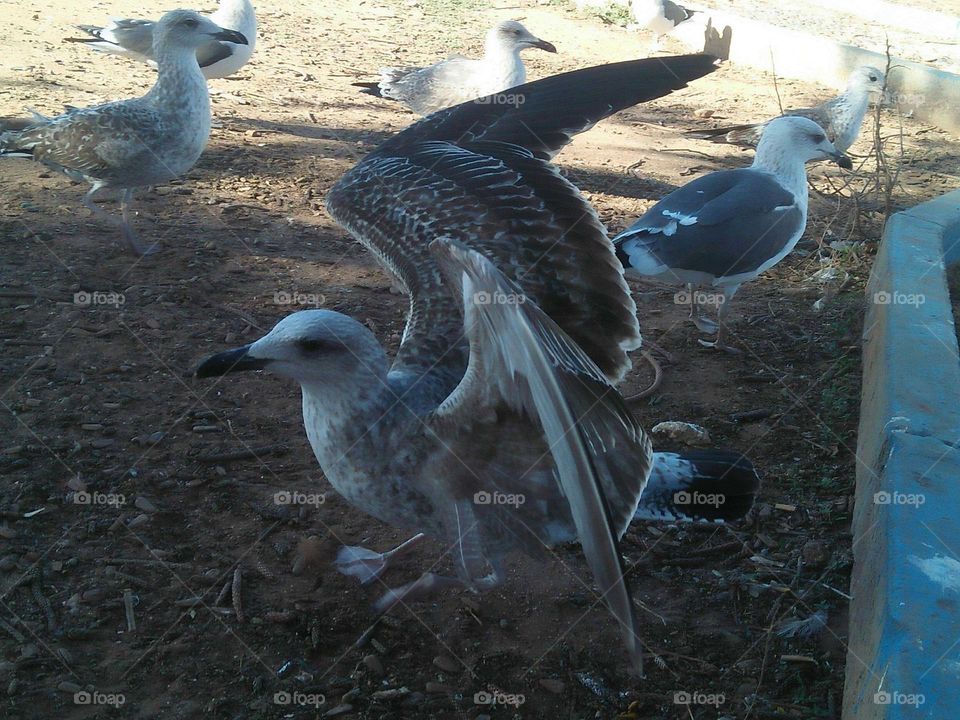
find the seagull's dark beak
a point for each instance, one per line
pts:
(842, 160)
(543, 45)
(230, 36)
(229, 361)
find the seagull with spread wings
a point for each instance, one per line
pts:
(497, 426)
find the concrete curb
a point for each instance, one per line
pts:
(904, 646)
(930, 94)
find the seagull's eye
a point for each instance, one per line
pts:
(818, 138)
(873, 78)
(190, 23)
(312, 346)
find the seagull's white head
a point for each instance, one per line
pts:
(513, 37)
(801, 138)
(187, 29)
(314, 347)
(866, 78)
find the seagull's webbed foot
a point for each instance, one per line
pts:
(429, 584)
(718, 345)
(136, 247)
(367, 565)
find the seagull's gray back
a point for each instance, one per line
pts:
(721, 226)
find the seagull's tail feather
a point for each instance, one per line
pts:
(99, 38)
(19, 142)
(746, 135)
(699, 485)
(370, 88)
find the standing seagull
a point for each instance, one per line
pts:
(458, 79)
(132, 143)
(726, 228)
(497, 426)
(840, 117)
(658, 16)
(217, 58)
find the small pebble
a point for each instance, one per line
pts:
(373, 664)
(551, 685)
(338, 711)
(144, 504)
(69, 687)
(435, 687)
(447, 664)
(390, 694)
(138, 521)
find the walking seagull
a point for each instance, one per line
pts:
(217, 58)
(658, 16)
(497, 426)
(458, 79)
(133, 143)
(840, 117)
(725, 228)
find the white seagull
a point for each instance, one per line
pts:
(725, 228)
(217, 58)
(840, 117)
(458, 79)
(496, 427)
(134, 143)
(658, 16)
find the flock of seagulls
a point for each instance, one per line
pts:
(520, 323)
(217, 58)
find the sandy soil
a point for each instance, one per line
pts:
(97, 398)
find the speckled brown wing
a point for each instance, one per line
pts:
(92, 143)
(516, 210)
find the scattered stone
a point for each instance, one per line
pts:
(815, 552)
(551, 685)
(373, 664)
(142, 503)
(446, 664)
(437, 688)
(391, 694)
(339, 710)
(138, 521)
(684, 432)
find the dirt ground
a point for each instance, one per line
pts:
(122, 598)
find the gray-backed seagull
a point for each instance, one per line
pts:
(133, 143)
(217, 58)
(459, 79)
(727, 227)
(658, 16)
(840, 117)
(497, 426)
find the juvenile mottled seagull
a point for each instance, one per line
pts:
(840, 117)
(217, 58)
(658, 16)
(133, 143)
(725, 228)
(496, 427)
(459, 79)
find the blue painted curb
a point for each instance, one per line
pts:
(903, 656)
